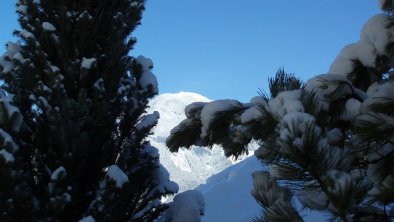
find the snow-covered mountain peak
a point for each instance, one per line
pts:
(171, 107)
(188, 167)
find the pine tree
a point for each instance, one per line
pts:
(329, 144)
(283, 81)
(72, 123)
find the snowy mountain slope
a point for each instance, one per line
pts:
(227, 195)
(224, 184)
(188, 168)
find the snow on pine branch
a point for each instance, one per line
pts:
(276, 200)
(21, 9)
(212, 109)
(147, 79)
(11, 113)
(286, 102)
(8, 157)
(378, 93)
(162, 182)
(117, 175)
(148, 121)
(26, 34)
(48, 27)
(6, 63)
(8, 141)
(250, 114)
(87, 63)
(194, 109)
(87, 219)
(377, 33)
(188, 206)
(294, 126)
(330, 87)
(58, 173)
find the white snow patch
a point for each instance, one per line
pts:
(85, 14)
(343, 63)
(378, 94)
(8, 157)
(366, 53)
(163, 182)
(87, 219)
(293, 128)
(22, 9)
(12, 111)
(295, 123)
(148, 120)
(134, 4)
(48, 27)
(194, 109)
(211, 109)
(250, 114)
(147, 78)
(122, 89)
(326, 86)
(44, 102)
(286, 102)
(8, 140)
(87, 62)
(352, 109)
(18, 56)
(99, 84)
(187, 207)
(117, 175)
(378, 32)
(26, 34)
(60, 171)
(54, 68)
(385, 89)
(12, 49)
(146, 63)
(230, 190)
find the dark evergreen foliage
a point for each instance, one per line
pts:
(75, 107)
(283, 81)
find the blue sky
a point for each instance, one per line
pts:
(228, 49)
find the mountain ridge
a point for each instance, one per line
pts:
(188, 167)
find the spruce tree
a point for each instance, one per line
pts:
(328, 144)
(72, 123)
